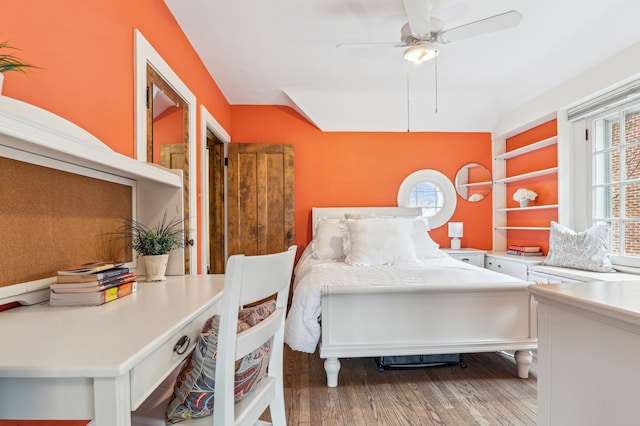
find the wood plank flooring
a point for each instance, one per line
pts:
(487, 392)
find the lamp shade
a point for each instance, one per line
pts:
(456, 229)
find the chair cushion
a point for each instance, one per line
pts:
(195, 384)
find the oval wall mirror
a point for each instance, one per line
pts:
(473, 182)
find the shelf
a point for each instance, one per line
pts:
(470, 185)
(29, 130)
(524, 228)
(513, 209)
(528, 175)
(528, 148)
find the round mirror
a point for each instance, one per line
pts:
(432, 191)
(473, 182)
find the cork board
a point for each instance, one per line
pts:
(51, 219)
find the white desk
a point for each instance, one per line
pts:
(99, 362)
(588, 346)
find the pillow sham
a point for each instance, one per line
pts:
(193, 392)
(588, 250)
(327, 244)
(378, 241)
(422, 242)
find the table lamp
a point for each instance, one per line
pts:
(455, 233)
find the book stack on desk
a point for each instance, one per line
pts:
(92, 284)
(525, 250)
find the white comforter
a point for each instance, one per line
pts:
(302, 330)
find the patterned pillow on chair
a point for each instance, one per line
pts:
(194, 389)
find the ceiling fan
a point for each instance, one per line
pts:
(423, 34)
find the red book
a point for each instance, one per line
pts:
(93, 298)
(524, 248)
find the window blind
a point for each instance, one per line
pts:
(625, 93)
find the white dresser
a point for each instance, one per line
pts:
(469, 255)
(588, 346)
(516, 266)
(100, 362)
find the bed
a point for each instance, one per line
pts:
(372, 308)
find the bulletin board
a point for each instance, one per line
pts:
(52, 219)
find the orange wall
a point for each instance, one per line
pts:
(545, 186)
(86, 51)
(366, 169)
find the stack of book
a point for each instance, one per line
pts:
(92, 284)
(525, 250)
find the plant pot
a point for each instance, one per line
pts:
(156, 267)
(524, 203)
(1, 81)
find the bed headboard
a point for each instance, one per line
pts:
(339, 212)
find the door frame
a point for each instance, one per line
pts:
(207, 121)
(145, 54)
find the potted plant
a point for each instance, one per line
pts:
(153, 243)
(10, 62)
(524, 196)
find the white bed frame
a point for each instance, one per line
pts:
(371, 321)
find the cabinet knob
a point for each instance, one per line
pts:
(181, 346)
(465, 259)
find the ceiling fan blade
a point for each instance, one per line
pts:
(492, 24)
(363, 45)
(419, 17)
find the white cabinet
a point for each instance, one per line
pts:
(516, 266)
(469, 255)
(588, 344)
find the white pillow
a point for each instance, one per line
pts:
(327, 244)
(379, 241)
(422, 242)
(588, 250)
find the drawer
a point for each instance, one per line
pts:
(151, 371)
(515, 269)
(476, 258)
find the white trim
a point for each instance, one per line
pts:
(207, 121)
(145, 54)
(440, 180)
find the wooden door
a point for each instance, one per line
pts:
(217, 259)
(260, 198)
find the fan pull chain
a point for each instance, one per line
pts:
(408, 111)
(436, 65)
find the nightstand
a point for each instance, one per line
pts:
(469, 255)
(516, 266)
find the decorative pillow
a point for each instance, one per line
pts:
(327, 244)
(588, 250)
(422, 242)
(379, 241)
(195, 385)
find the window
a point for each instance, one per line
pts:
(615, 179)
(432, 191)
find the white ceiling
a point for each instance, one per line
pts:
(283, 52)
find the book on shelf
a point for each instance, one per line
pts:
(95, 276)
(524, 248)
(94, 298)
(87, 287)
(89, 268)
(525, 253)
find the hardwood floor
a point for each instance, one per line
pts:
(487, 392)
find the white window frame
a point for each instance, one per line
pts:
(583, 168)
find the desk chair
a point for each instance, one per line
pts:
(248, 279)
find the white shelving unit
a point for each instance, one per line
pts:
(500, 209)
(33, 135)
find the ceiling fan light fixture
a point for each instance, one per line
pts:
(420, 53)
